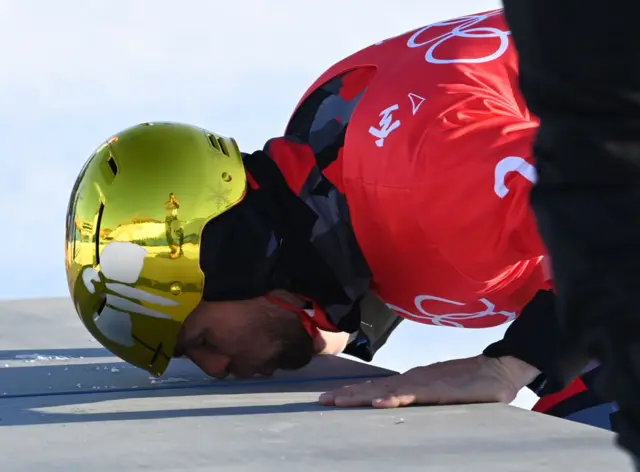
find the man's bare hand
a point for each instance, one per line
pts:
(472, 380)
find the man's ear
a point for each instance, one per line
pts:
(328, 343)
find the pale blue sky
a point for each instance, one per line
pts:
(75, 71)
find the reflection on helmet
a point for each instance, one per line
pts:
(134, 225)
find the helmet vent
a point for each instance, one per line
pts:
(218, 144)
(113, 166)
(96, 234)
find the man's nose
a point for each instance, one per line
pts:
(211, 363)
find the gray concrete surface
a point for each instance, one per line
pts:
(68, 405)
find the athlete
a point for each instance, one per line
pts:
(399, 191)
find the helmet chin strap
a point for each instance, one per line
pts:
(313, 320)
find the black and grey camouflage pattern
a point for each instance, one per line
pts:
(321, 122)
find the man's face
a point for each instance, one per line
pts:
(243, 338)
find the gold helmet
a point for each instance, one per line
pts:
(133, 232)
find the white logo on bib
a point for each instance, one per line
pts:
(463, 29)
(455, 319)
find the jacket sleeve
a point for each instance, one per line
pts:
(535, 338)
(377, 322)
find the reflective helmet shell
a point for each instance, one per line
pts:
(133, 234)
